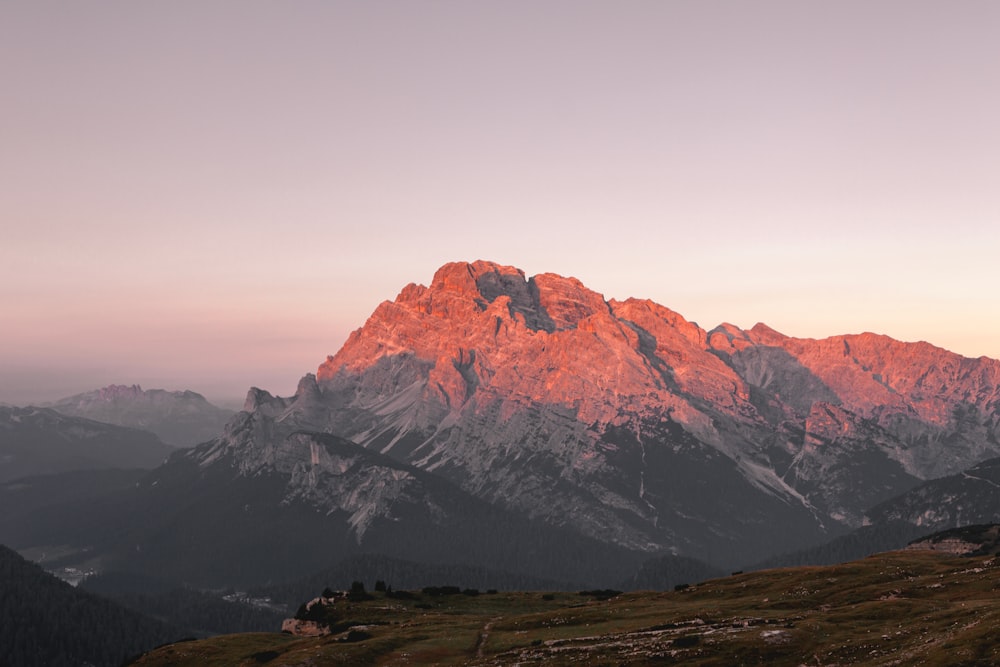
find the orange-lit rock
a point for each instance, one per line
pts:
(539, 394)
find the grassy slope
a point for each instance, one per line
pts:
(900, 608)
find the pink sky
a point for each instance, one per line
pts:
(212, 195)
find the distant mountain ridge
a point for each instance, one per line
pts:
(35, 441)
(179, 418)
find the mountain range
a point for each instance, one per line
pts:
(117, 426)
(179, 418)
(626, 423)
(531, 425)
(36, 441)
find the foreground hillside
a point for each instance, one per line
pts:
(898, 608)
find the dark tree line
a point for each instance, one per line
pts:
(858, 544)
(45, 621)
(197, 613)
(404, 575)
(665, 572)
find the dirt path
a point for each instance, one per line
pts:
(484, 634)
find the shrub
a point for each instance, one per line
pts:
(358, 593)
(602, 594)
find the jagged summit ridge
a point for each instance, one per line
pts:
(485, 327)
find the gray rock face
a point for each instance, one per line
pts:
(322, 472)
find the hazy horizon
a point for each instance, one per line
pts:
(220, 391)
(211, 197)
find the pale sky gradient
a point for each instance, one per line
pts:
(212, 195)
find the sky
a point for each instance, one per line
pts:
(212, 195)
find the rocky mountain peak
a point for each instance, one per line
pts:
(468, 277)
(541, 395)
(546, 302)
(728, 339)
(483, 331)
(262, 401)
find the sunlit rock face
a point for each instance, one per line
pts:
(626, 422)
(944, 409)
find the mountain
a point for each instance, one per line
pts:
(954, 504)
(529, 425)
(179, 418)
(36, 441)
(967, 498)
(622, 421)
(44, 621)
